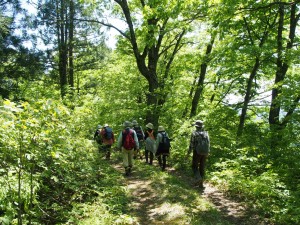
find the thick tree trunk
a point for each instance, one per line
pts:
(147, 58)
(282, 64)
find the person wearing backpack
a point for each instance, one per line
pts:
(140, 135)
(127, 142)
(200, 145)
(97, 137)
(108, 139)
(163, 147)
(150, 146)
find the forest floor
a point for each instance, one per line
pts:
(170, 197)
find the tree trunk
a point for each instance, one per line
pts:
(62, 48)
(147, 58)
(247, 97)
(282, 64)
(71, 45)
(200, 84)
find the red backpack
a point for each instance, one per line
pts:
(128, 139)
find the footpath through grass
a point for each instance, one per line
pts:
(148, 196)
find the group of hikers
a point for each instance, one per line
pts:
(156, 145)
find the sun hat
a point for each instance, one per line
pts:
(198, 123)
(99, 126)
(160, 128)
(150, 126)
(105, 125)
(134, 123)
(127, 124)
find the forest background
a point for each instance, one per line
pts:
(232, 64)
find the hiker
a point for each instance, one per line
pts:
(200, 145)
(150, 146)
(127, 141)
(163, 147)
(140, 135)
(97, 137)
(108, 139)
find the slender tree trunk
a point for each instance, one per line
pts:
(216, 84)
(71, 45)
(247, 97)
(200, 84)
(62, 47)
(186, 109)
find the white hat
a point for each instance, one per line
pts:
(150, 126)
(160, 128)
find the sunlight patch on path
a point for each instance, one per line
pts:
(169, 212)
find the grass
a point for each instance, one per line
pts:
(149, 196)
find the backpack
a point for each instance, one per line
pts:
(108, 133)
(139, 133)
(128, 139)
(166, 141)
(202, 142)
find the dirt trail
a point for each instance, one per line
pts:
(149, 208)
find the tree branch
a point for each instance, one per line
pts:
(105, 24)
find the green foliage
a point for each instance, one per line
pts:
(49, 170)
(47, 167)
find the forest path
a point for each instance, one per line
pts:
(170, 197)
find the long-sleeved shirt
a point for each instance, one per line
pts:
(120, 138)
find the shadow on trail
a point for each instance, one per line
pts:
(235, 212)
(166, 198)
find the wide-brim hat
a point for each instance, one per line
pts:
(127, 124)
(198, 123)
(160, 128)
(150, 126)
(105, 125)
(134, 123)
(99, 126)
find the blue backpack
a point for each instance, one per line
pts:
(108, 133)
